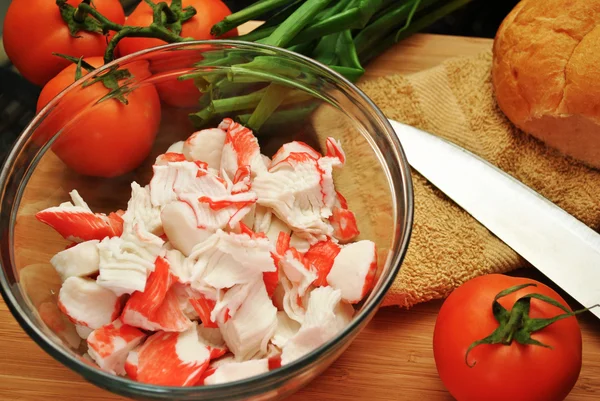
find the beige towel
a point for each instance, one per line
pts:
(455, 100)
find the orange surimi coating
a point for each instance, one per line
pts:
(157, 308)
(203, 307)
(244, 143)
(321, 255)
(157, 285)
(173, 359)
(170, 157)
(222, 204)
(344, 224)
(80, 225)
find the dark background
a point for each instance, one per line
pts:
(480, 18)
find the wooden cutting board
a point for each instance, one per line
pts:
(391, 359)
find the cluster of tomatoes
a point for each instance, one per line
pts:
(110, 138)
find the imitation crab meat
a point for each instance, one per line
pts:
(233, 371)
(110, 345)
(227, 264)
(76, 222)
(157, 306)
(88, 304)
(183, 358)
(353, 270)
(80, 260)
(207, 146)
(325, 316)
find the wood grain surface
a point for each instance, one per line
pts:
(391, 359)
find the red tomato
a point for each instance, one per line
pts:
(104, 139)
(33, 29)
(504, 372)
(208, 13)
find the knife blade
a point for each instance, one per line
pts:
(563, 248)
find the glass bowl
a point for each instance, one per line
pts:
(317, 103)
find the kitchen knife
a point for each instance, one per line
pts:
(563, 248)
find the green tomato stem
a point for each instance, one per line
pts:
(80, 14)
(516, 324)
(153, 31)
(105, 22)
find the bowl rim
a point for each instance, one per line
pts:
(129, 386)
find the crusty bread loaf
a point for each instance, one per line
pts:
(546, 73)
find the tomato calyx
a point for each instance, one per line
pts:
(110, 79)
(516, 324)
(166, 23)
(77, 21)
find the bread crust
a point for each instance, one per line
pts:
(546, 73)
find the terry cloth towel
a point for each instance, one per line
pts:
(448, 247)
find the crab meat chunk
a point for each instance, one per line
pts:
(296, 280)
(181, 227)
(293, 147)
(176, 147)
(88, 304)
(286, 329)
(170, 178)
(76, 222)
(228, 302)
(297, 270)
(209, 196)
(242, 181)
(326, 315)
(140, 211)
(228, 259)
(291, 302)
(240, 149)
(179, 264)
(321, 256)
(206, 145)
(131, 363)
(233, 371)
(248, 331)
(185, 295)
(219, 211)
(166, 158)
(334, 150)
(353, 270)
(157, 307)
(343, 221)
(126, 261)
(300, 191)
(173, 359)
(80, 260)
(110, 345)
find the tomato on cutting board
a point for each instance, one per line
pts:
(103, 139)
(208, 12)
(34, 29)
(516, 361)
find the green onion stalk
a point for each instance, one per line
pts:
(345, 35)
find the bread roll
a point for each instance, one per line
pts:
(546, 73)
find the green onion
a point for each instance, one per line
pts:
(345, 35)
